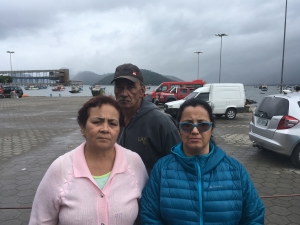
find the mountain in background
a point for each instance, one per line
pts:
(88, 77)
(173, 78)
(150, 78)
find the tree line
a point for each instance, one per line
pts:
(6, 79)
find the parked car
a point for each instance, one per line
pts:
(275, 125)
(8, 89)
(1, 92)
(225, 99)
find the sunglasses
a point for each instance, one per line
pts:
(201, 127)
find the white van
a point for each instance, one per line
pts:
(225, 98)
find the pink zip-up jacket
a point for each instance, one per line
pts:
(68, 194)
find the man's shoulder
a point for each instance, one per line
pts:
(150, 112)
(154, 109)
(162, 118)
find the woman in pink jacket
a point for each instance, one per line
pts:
(99, 182)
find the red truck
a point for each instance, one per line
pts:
(176, 93)
(165, 87)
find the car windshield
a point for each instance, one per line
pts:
(191, 95)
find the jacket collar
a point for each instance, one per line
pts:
(210, 160)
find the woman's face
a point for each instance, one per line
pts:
(194, 142)
(102, 127)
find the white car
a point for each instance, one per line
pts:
(225, 98)
(275, 125)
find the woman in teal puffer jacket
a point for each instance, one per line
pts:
(198, 183)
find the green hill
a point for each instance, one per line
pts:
(150, 78)
(88, 77)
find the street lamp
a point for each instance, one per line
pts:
(220, 35)
(281, 80)
(10, 61)
(198, 64)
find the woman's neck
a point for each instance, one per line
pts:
(99, 162)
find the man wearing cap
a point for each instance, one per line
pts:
(147, 130)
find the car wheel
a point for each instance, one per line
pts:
(295, 157)
(230, 114)
(20, 96)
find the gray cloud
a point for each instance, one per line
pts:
(159, 35)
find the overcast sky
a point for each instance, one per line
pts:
(158, 35)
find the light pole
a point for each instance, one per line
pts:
(198, 63)
(220, 35)
(281, 81)
(10, 61)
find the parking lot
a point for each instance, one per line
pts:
(36, 130)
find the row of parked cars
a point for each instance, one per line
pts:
(275, 124)
(5, 92)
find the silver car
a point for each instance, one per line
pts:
(275, 125)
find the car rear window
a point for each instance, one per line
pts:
(272, 106)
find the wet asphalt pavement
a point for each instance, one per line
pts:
(34, 131)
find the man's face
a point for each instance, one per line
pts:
(129, 94)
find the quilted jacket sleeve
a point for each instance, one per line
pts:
(150, 201)
(253, 208)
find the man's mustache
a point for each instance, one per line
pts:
(123, 99)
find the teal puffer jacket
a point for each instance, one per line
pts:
(207, 189)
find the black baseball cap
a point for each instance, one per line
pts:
(128, 71)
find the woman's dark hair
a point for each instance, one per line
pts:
(194, 102)
(98, 101)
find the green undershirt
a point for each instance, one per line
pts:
(101, 180)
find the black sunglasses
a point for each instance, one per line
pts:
(201, 127)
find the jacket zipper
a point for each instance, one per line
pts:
(199, 191)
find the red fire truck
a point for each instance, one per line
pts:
(167, 86)
(177, 93)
